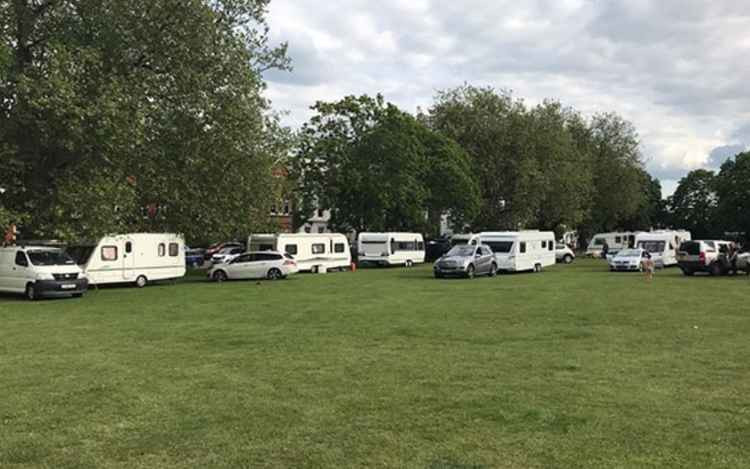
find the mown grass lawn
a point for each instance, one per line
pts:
(575, 367)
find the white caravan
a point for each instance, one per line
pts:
(662, 245)
(391, 248)
(518, 251)
(40, 272)
(313, 252)
(615, 242)
(461, 238)
(136, 258)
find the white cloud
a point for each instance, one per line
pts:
(676, 68)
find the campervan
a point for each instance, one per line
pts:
(40, 271)
(136, 258)
(614, 241)
(391, 248)
(662, 244)
(313, 252)
(518, 251)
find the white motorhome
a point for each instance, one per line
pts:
(313, 252)
(519, 251)
(40, 271)
(136, 258)
(662, 244)
(615, 241)
(391, 248)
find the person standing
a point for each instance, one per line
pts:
(648, 266)
(605, 250)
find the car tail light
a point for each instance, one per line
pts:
(702, 257)
(290, 263)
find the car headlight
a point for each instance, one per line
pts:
(44, 276)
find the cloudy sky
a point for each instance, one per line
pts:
(678, 69)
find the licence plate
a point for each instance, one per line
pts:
(68, 286)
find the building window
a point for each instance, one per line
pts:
(109, 253)
(174, 249)
(291, 249)
(523, 247)
(162, 250)
(319, 248)
(339, 247)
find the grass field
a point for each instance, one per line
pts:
(574, 367)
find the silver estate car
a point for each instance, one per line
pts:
(466, 261)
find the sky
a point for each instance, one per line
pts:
(679, 70)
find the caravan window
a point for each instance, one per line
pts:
(109, 253)
(598, 241)
(174, 249)
(162, 250)
(318, 248)
(544, 244)
(618, 239)
(420, 246)
(654, 247)
(551, 245)
(339, 247)
(128, 247)
(405, 246)
(500, 246)
(291, 249)
(523, 247)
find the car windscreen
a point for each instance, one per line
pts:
(80, 254)
(629, 253)
(500, 246)
(461, 251)
(654, 247)
(50, 257)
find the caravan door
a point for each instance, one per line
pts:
(128, 260)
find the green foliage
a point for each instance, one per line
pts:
(733, 192)
(694, 203)
(167, 92)
(378, 168)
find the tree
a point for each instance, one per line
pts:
(693, 204)
(164, 93)
(733, 193)
(377, 168)
(652, 211)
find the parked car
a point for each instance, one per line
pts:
(271, 265)
(40, 272)
(466, 261)
(703, 256)
(215, 248)
(564, 254)
(743, 262)
(194, 257)
(226, 254)
(629, 260)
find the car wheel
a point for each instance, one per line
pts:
(568, 259)
(274, 274)
(438, 275)
(409, 263)
(470, 271)
(537, 268)
(77, 295)
(31, 292)
(493, 269)
(219, 276)
(141, 281)
(687, 273)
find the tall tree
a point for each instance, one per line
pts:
(733, 193)
(158, 100)
(693, 204)
(377, 168)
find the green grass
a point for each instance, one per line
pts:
(576, 367)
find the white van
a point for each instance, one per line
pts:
(662, 245)
(136, 258)
(615, 241)
(313, 252)
(391, 248)
(519, 251)
(38, 271)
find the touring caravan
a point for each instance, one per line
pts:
(313, 252)
(615, 242)
(391, 248)
(462, 238)
(136, 258)
(518, 251)
(662, 245)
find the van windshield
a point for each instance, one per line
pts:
(80, 254)
(50, 257)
